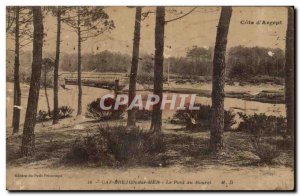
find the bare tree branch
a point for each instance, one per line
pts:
(9, 19)
(181, 16)
(146, 14)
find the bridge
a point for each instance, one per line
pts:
(92, 79)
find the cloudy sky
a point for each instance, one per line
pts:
(198, 28)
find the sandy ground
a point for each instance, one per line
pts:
(67, 97)
(41, 175)
(188, 173)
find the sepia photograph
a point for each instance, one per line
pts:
(150, 98)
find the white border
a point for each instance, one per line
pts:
(4, 3)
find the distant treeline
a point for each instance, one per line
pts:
(242, 62)
(245, 62)
(104, 61)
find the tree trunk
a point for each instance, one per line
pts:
(156, 122)
(290, 74)
(56, 66)
(79, 69)
(45, 89)
(218, 83)
(131, 120)
(17, 89)
(28, 143)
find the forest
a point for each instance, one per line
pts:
(197, 62)
(245, 96)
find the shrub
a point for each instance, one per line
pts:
(42, 116)
(116, 145)
(94, 110)
(263, 149)
(263, 130)
(143, 114)
(270, 125)
(88, 149)
(195, 119)
(63, 112)
(131, 144)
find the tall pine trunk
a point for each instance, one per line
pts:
(56, 66)
(131, 120)
(17, 89)
(79, 111)
(28, 138)
(45, 89)
(156, 122)
(218, 82)
(290, 74)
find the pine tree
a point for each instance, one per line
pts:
(87, 22)
(156, 122)
(218, 81)
(290, 74)
(28, 139)
(131, 121)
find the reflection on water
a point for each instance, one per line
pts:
(239, 105)
(249, 107)
(69, 97)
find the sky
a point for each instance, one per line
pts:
(198, 28)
